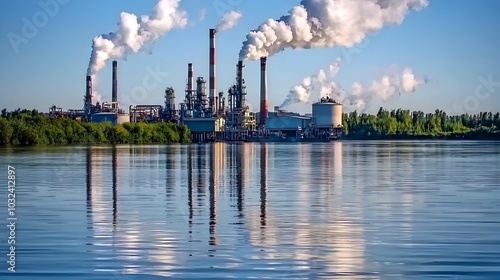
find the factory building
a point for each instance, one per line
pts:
(209, 116)
(204, 124)
(280, 123)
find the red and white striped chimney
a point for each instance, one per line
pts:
(211, 81)
(264, 110)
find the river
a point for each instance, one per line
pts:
(343, 210)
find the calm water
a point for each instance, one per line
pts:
(343, 210)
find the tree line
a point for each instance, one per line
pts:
(406, 124)
(30, 127)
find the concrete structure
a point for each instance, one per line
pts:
(327, 113)
(114, 118)
(204, 124)
(264, 110)
(287, 122)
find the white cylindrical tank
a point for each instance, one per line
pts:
(337, 115)
(323, 113)
(327, 112)
(122, 118)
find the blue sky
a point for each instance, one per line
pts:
(453, 42)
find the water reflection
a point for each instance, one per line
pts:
(240, 169)
(190, 190)
(263, 183)
(213, 195)
(89, 179)
(119, 248)
(300, 211)
(114, 165)
(337, 245)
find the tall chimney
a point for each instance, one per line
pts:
(114, 89)
(88, 95)
(190, 85)
(239, 103)
(263, 91)
(211, 80)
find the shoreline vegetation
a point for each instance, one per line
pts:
(406, 125)
(30, 127)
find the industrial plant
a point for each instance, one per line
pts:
(218, 116)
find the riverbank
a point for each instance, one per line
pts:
(33, 128)
(473, 135)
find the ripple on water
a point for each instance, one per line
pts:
(343, 210)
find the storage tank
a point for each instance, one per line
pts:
(337, 115)
(110, 117)
(327, 112)
(122, 118)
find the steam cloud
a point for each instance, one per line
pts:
(322, 84)
(229, 20)
(326, 23)
(134, 33)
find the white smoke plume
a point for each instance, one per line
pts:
(229, 20)
(96, 97)
(325, 23)
(321, 83)
(385, 88)
(134, 33)
(360, 96)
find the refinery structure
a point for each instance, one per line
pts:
(218, 116)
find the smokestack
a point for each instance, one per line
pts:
(263, 91)
(88, 95)
(114, 89)
(211, 80)
(239, 73)
(190, 85)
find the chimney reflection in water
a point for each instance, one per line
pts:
(89, 181)
(200, 168)
(171, 152)
(239, 178)
(190, 188)
(213, 199)
(90, 224)
(115, 182)
(263, 184)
